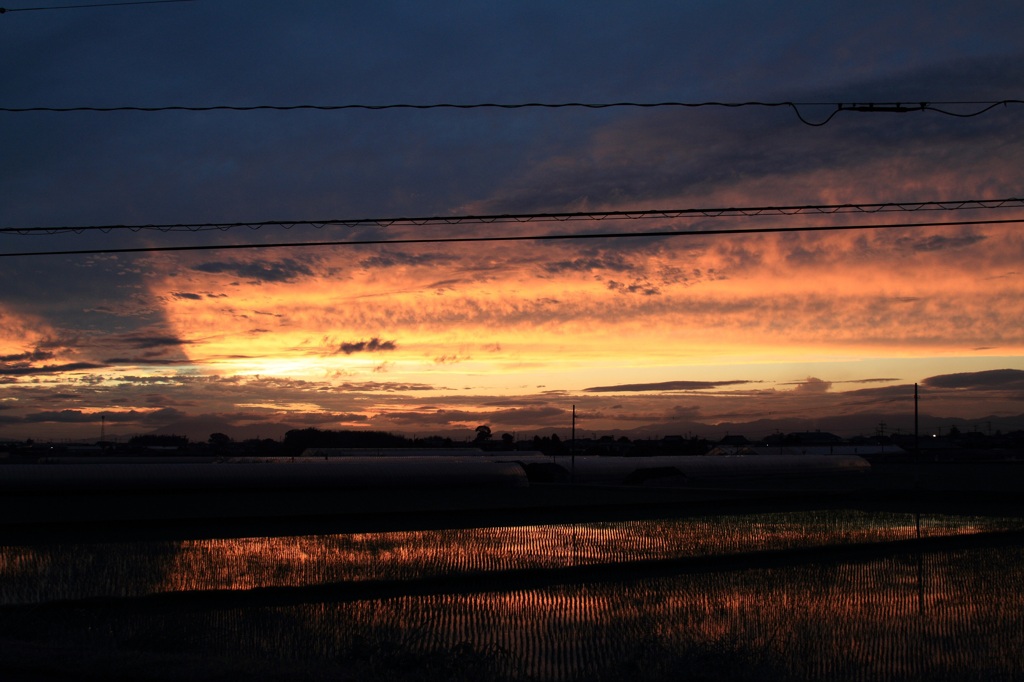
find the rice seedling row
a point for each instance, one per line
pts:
(70, 571)
(841, 621)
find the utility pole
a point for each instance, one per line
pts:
(917, 458)
(917, 444)
(572, 448)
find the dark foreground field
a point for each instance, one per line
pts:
(904, 572)
(41, 513)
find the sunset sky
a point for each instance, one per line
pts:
(648, 336)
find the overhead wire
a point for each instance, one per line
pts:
(515, 238)
(4, 10)
(838, 107)
(498, 218)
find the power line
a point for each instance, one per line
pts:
(746, 212)
(98, 4)
(515, 238)
(978, 107)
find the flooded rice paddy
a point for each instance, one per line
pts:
(724, 597)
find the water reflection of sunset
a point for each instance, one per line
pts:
(890, 615)
(861, 620)
(300, 560)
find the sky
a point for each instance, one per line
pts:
(644, 336)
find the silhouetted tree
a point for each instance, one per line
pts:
(483, 433)
(219, 441)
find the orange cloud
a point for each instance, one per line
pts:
(884, 294)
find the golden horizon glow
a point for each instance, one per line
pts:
(427, 339)
(515, 318)
(766, 327)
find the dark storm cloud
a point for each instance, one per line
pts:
(286, 270)
(32, 356)
(112, 168)
(666, 386)
(147, 346)
(711, 150)
(994, 378)
(373, 345)
(187, 296)
(25, 370)
(146, 341)
(153, 359)
(79, 169)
